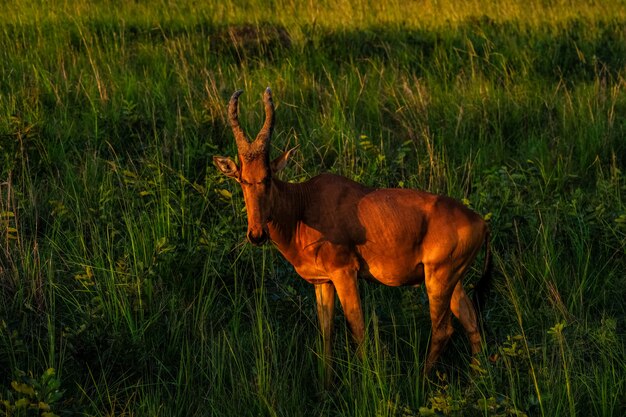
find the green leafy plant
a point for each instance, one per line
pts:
(33, 396)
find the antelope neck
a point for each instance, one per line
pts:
(287, 209)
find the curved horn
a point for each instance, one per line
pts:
(233, 118)
(268, 126)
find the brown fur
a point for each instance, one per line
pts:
(335, 231)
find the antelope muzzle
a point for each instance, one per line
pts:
(258, 237)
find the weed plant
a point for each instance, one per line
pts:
(126, 287)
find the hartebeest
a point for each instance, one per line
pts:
(335, 231)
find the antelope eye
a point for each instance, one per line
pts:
(265, 181)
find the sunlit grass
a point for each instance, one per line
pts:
(324, 14)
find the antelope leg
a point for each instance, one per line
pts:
(325, 297)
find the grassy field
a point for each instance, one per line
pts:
(126, 285)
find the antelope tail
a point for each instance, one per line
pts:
(483, 286)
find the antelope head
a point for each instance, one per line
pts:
(255, 172)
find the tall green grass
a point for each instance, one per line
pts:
(126, 287)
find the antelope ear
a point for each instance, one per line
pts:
(281, 162)
(227, 166)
